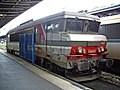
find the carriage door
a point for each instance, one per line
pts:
(27, 46)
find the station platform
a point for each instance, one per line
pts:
(21, 75)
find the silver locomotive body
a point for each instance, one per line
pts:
(65, 41)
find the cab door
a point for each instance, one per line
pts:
(49, 39)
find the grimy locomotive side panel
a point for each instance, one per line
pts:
(65, 42)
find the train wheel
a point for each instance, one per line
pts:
(8, 50)
(59, 70)
(55, 68)
(37, 60)
(48, 65)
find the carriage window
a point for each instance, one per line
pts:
(112, 31)
(14, 37)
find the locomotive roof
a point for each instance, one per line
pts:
(70, 14)
(63, 14)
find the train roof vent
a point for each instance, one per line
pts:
(27, 22)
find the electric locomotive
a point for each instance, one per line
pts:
(67, 42)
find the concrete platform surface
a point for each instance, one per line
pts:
(14, 76)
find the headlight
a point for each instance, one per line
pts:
(102, 49)
(99, 50)
(80, 50)
(84, 51)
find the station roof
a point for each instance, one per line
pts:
(9, 9)
(112, 10)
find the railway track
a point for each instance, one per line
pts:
(105, 82)
(100, 85)
(111, 78)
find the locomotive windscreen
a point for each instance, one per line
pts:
(82, 25)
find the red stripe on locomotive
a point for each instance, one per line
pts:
(41, 32)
